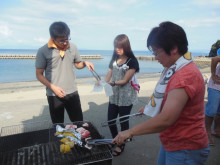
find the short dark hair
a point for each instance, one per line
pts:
(167, 36)
(59, 29)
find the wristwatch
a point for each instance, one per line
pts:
(113, 83)
(84, 64)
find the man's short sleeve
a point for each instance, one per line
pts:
(40, 62)
(77, 57)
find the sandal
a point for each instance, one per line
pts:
(121, 147)
(215, 134)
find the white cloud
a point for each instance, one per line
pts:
(198, 22)
(207, 3)
(5, 30)
(41, 40)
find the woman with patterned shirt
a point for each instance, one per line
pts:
(122, 68)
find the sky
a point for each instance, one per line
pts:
(24, 24)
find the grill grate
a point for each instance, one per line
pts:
(41, 147)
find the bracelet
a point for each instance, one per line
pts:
(113, 83)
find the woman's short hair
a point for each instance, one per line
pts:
(168, 35)
(59, 29)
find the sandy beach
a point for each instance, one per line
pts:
(26, 102)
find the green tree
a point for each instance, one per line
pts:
(214, 48)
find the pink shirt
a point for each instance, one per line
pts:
(188, 132)
(211, 83)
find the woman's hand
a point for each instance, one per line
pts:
(122, 136)
(141, 110)
(112, 83)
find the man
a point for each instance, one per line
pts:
(56, 59)
(212, 111)
(177, 104)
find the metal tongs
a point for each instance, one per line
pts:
(106, 123)
(91, 142)
(95, 75)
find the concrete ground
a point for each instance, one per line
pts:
(22, 103)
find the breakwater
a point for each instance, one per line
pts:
(34, 56)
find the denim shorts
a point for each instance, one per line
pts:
(213, 104)
(183, 157)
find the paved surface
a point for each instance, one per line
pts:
(27, 103)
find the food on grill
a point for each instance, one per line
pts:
(58, 133)
(64, 148)
(85, 125)
(68, 134)
(71, 144)
(67, 142)
(75, 140)
(64, 140)
(71, 126)
(84, 133)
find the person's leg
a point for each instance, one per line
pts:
(73, 107)
(162, 156)
(56, 108)
(210, 111)
(123, 111)
(112, 114)
(216, 131)
(208, 124)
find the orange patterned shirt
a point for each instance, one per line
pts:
(188, 132)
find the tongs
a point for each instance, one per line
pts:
(91, 142)
(95, 75)
(106, 123)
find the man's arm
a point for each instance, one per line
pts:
(214, 63)
(57, 90)
(82, 64)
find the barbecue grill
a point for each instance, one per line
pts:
(20, 146)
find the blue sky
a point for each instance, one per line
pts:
(94, 24)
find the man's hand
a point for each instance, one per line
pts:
(58, 91)
(89, 65)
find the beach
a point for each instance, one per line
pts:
(26, 102)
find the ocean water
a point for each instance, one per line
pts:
(17, 70)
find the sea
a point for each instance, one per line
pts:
(20, 70)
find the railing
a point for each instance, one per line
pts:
(34, 56)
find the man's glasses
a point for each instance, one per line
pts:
(157, 53)
(64, 41)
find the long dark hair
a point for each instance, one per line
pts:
(122, 41)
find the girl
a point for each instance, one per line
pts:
(122, 68)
